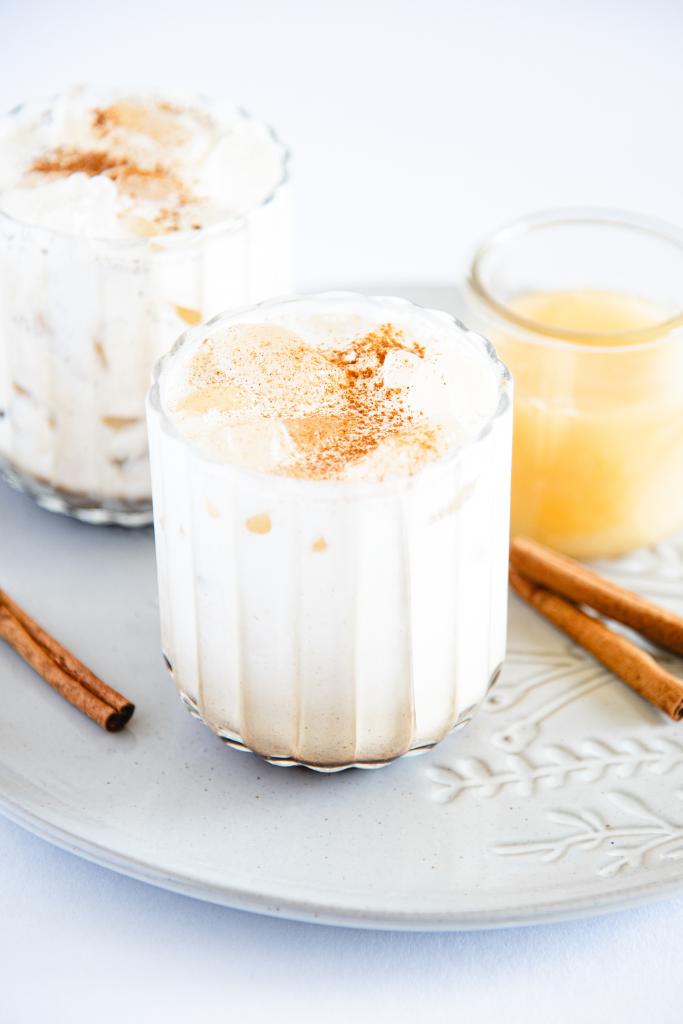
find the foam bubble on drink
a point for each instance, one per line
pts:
(363, 394)
(131, 166)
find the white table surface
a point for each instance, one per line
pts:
(416, 128)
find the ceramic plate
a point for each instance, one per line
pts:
(562, 799)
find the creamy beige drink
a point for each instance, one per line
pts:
(331, 492)
(123, 218)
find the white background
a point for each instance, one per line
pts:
(416, 128)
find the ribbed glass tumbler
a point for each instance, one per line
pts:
(83, 321)
(333, 623)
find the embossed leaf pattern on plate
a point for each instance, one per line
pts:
(618, 846)
(519, 750)
(555, 766)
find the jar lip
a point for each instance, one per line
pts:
(542, 334)
(171, 240)
(327, 490)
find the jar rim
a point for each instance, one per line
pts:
(543, 334)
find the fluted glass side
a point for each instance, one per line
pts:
(332, 624)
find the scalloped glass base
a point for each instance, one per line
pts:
(98, 511)
(235, 740)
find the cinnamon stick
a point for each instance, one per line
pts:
(572, 580)
(64, 658)
(628, 661)
(61, 669)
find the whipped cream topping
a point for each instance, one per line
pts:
(334, 387)
(129, 166)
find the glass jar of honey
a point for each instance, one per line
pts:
(586, 308)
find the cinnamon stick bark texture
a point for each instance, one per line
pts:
(572, 580)
(61, 669)
(635, 666)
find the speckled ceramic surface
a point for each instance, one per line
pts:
(565, 797)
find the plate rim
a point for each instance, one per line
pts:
(325, 912)
(322, 897)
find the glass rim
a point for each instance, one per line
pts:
(331, 489)
(172, 240)
(542, 334)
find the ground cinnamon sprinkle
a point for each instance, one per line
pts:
(155, 183)
(94, 161)
(333, 402)
(137, 177)
(158, 121)
(72, 161)
(371, 413)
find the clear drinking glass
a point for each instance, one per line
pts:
(333, 623)
(82, 322)
(585, 307)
